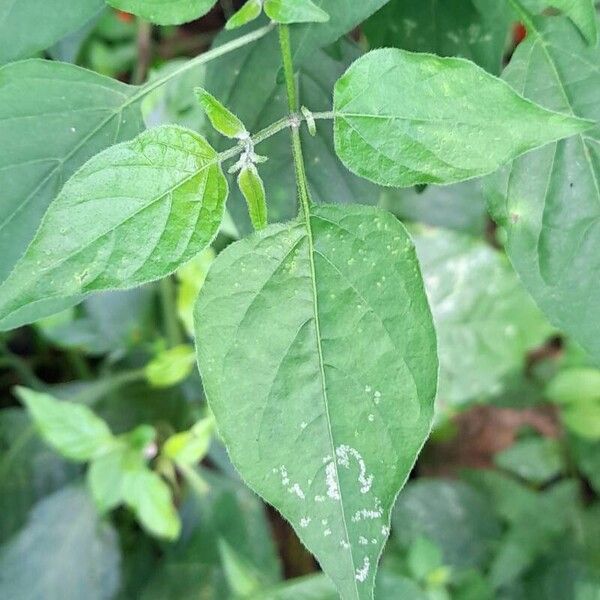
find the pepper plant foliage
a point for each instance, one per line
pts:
(314, 337)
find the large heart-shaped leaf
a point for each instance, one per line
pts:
(549, 200)
(132, 214)
(23, 35)
(404, 118)
(53, 117)
(319, 420)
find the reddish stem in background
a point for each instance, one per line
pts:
(519, 33)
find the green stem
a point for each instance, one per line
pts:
(295, 120)
(204, 58)
(169, 310)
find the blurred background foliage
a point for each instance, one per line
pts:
(504, 501)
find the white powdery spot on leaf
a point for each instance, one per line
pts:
(319, 498)
(345, 545)
(368, 513)
(296, 489)
(385, 531)
(304, 521)
(362, 540)
(344, 453)
(333, 489)
(326, 532)
(363, 572)
(285, 480)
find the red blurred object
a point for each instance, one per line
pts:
(124, 16)
(519, 33)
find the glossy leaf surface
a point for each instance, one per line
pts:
(132, 214)
(404, 118)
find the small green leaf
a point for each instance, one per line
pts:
(575, 385)
(310, 120)
(221, 118)
(171, 366)
(132, 214)
(165, 12)
(253, 190)
(190, 447)
(424, 556)
(295, 11)
(250, 11)
(191, 278)
(327, 425)
(404, 118)
(241, 576)
(150, 499)
(73, 430)
(105, 479)
(535, 459)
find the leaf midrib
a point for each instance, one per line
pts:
(313, 279)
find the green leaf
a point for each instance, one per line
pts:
(73, 430)
(574, 385)
(327, 426)
(165, 12)
(242, 578)
(424, 556)
(587, 457)
(404, 118)
(29, 470)
(549, 201)
(295, 11)
(64, 552)
(535, 459)
(581, 12)
(19, 31)
(250, 10)
(171, 366)
(190, 447)
(221, 118)
(473, 29)
(460, 206)
(192, 567)
(261, 102)
(476, 297)
(48, 143)
(105, 477)
(109, 322)
(453, 515)
(132, 214)
(150, 499)
(253, 190)
(191, 279)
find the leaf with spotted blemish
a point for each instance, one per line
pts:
(130, 215)
(403, 118)
(320, 420)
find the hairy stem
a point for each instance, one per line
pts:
(295, 120)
